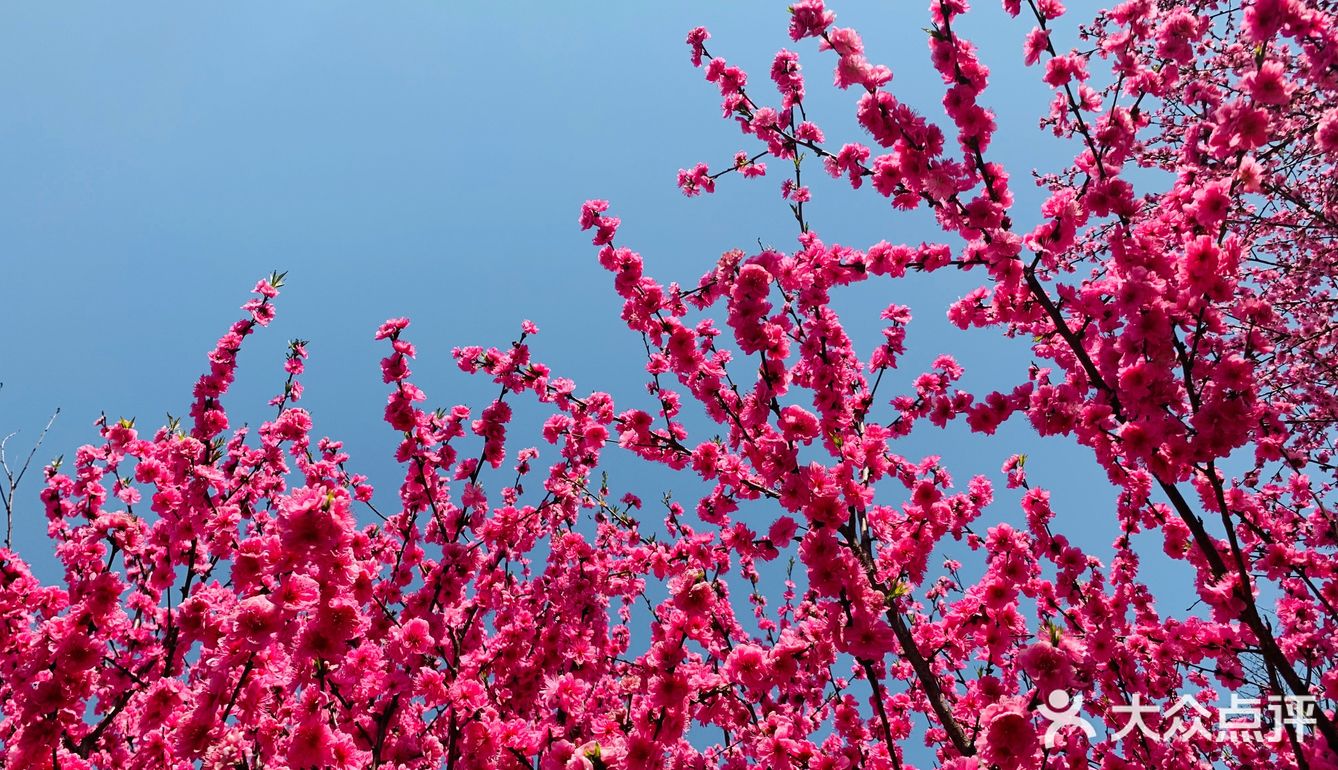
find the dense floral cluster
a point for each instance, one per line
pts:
(225, 607)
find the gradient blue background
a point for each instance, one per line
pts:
(429, 160)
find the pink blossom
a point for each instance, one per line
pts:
(808, 18)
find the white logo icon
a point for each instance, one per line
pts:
(1062, 711)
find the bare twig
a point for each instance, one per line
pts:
(12, 479)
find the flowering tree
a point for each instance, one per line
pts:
(242, 617)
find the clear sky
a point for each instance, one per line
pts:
(429, 160)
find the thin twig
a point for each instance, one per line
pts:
(12, 479)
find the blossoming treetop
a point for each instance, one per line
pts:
(225, 606)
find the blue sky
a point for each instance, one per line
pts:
(429, 160)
